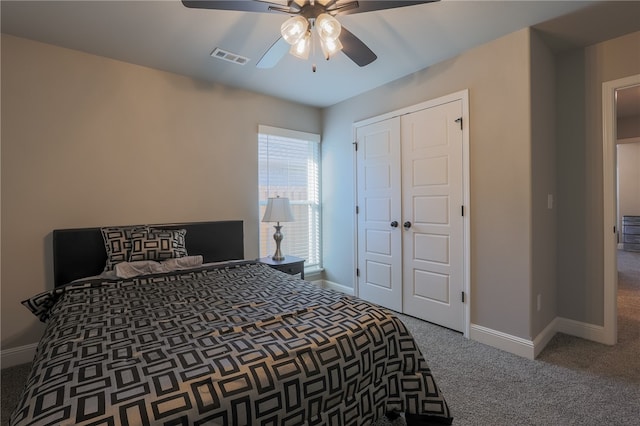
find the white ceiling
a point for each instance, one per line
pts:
(168, 36)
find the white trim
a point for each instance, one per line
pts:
(609, 190)
(452, 97)
(334, 286)
(503, 341)
(531, 349)
(466, 194)
(286, 133)
(313, 270)
(16, 356)
(596, 333)
(544, 337)
(354, 138)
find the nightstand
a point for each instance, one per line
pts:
(291, 265)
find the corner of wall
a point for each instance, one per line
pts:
(506, 342)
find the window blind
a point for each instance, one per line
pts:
(289, 166)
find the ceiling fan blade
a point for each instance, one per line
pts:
(373, 5)
(273, 55)
(279, 5)
(355, 49)
(240, 5)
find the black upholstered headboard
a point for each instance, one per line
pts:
(79, 253)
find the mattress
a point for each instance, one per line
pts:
(232, 344)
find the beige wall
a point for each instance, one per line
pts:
(89, 141)
(570, 201)
(497, 76)
(580, 76)
(543, 180)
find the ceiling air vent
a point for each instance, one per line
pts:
(229, 57)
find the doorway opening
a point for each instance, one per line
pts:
(611, 92)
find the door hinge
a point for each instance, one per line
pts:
(357, 209)
(462, 210)
(614, 230)
(357, 272)
(462, 296)
(355, 145)
(459, 120)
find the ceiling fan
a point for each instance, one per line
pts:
(309, 17)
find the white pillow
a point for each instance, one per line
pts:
(145, 267)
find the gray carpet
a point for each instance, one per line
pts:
(572, 382)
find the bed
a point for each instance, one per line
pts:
(226, 342)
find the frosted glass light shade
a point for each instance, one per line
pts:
(302, 48)
(329, 47)
(328, 27)
(294, 29)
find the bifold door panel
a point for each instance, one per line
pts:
(410, 227)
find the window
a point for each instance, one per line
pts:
(289, 166)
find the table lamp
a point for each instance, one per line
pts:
(278, 210)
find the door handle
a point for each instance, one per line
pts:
(407, 225)
(394, 224)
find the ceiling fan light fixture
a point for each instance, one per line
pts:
(294, 29)
(302, 48)
(328, 27)
(309, 16)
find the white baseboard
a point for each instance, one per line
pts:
(16, 356)
(531, 349)
(583, 330)
(544, 337)
(504, 341)
(334, 286)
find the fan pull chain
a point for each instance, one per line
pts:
(313, 44)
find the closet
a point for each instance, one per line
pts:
(412, 185)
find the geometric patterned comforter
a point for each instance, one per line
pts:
(241, 344)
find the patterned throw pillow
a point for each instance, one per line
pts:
(158, 244)
(117, 242)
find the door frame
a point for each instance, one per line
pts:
(462, 96)
(610, 198)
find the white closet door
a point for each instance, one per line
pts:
(379, 203)
(432, 197)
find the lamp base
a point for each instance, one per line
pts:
(278, 238)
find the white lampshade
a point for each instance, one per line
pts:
(278, 210)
